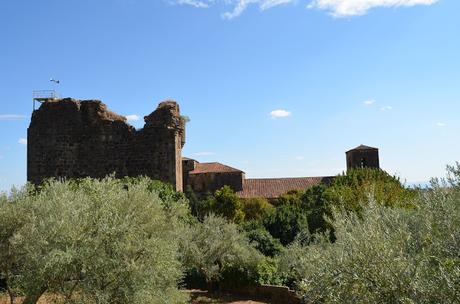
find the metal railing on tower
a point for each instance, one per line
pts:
(44, 95)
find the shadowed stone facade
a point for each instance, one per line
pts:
(206, 178)
(69, 138)
(363, 157)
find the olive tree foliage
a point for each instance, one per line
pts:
(93, 242)
(215, 246)
(386, 255)
(11, 221)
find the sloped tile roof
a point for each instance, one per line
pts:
(362, 147)
(212, 168)
(271, 188)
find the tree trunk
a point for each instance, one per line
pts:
(33, 298)
(11, 295)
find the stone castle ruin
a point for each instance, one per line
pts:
(69, 138)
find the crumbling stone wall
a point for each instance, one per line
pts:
(69, 138)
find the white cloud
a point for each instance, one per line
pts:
(205, 153)
(133, 117)
(337, 8)
(386, 108)
(237, 6)
(299, 157)
(280, 114)
(22, 141)
(267, 4)
(344, 8)
(12, 117)
(440, 124)
(195, 3)
(369, 102)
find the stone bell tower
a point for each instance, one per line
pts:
(363, 157)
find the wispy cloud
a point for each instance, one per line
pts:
(280, 113)
(133, 117)
(337, 8)
(345, 8)
(205, 153)
(22, 141)
(441, 124)
(195, 3)
(369, 102)
(12, 117)
(386, 108)
(236, 7)
(299, 157)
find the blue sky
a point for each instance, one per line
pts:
(273, 87)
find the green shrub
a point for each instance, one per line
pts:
(262, 239)
(317, 203)
(268, 272)
(94, 242)
(265, 271)
(228, 205)
(194, 202)
(215, 247)
(257, 208)
(350, 191)
(385, 255)
(287, 222)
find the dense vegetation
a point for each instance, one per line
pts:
(365, 238)
(385, 255)
(92, 242)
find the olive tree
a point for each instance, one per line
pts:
(96, 242)
(385, 255)
(11, 222)
(215, 246)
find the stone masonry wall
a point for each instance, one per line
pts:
(204, 183)
(363, 158)
(69, 138)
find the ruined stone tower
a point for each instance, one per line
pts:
(363, 157)
(69, 138)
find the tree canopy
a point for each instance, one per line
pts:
(92, 241)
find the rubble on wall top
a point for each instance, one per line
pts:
(94, 108)
(167, 113)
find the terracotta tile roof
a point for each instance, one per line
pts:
(271, 188)
(212, 168)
